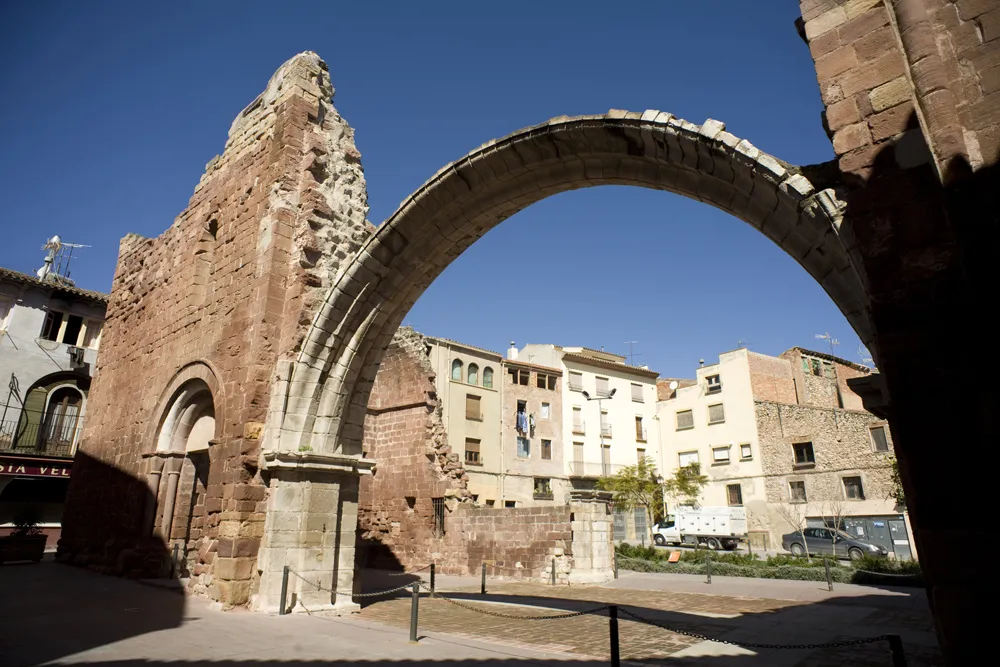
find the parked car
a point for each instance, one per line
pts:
(823, 542)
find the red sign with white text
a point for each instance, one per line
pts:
(26, 467)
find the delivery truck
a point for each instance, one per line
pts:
(711, 527)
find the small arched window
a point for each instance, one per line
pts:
(473, 374)
(62, 416)
(488, 377)
(456, 370)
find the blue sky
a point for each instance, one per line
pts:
(112, 110)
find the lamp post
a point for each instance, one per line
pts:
(600, 424)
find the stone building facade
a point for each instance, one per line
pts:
(786, 438)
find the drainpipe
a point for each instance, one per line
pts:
(936, 106)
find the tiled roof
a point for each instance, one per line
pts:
(465, 345)
(616, 365)
(830, 357)
(526, 364)
(25, 279)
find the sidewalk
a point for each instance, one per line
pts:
(63, 614)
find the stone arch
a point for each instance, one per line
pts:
(332, 378)
(175, 403)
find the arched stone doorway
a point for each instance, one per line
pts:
(178, 469)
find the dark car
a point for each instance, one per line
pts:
(823, 542)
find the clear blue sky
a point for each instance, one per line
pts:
(112, 109)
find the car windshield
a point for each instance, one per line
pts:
(845, 536)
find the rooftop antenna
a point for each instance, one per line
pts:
(831, 341)
(740, 344)
(632, 355)
(866, 356)
(56, 266)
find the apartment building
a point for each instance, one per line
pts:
(49, 334)
(785, 437)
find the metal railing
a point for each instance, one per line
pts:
(580, 428)
(606, 430)
(593, 469)
(19, 437)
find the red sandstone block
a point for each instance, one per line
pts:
(863, 25)
(893, 121)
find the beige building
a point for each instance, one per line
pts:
(468, 381)
(786, 438)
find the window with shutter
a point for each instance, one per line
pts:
(578, 426)
(735, 493)
(546, 449)
(637, 393)
(684, 459)
(576, 381)
(472, 410)
(716, 415)
(472, 453)
(603, 388)
(720, 455)
(685, 419)
(878, 439)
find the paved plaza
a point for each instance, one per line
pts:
(60, 615)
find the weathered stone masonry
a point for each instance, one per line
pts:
(218, 298)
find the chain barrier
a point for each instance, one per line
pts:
(403, 574)
(320, 587)
(698, 635)
(890, 574)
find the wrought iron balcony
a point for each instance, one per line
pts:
(36, 440)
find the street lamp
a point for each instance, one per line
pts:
(600, 413)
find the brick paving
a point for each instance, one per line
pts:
(746, 619)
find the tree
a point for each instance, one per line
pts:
(686, 485)
(833, 516)
(636, 486)
(897, 487)
(795, 516)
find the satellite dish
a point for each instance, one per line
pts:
(673, 385)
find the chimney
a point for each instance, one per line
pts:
(701, 363)
(512, 352)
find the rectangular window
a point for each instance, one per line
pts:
(543, 487)
(472, 454)
(716, 415)
(853, 488)
(720, 454)
(553, 380)
(606, 460)
(71, 334)
(540, 380)
(578, 425)
(828, 370)
(714, 384)
(546, 449)
(510, 504)
(92, 336)
(513, 373)
(640, 430)
(438, 516)
(637, 393)
(524, 377)
(879, 440)
(639, 518)
(578, 457)
(472, 408)
(746, 452)
(685, 419)
(797, 492)
(523, 447)
(684, 459)
(603, 388)
(575, 381)
(640, 454)
(804, 453)
(817, 367)
(51, 325)
(605, 424)
(735, 494)
(546, 411)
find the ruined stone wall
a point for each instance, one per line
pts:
(405, 435)
(231, 285)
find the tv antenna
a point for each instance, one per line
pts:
(56, 266)
(632, 355)
(740, 344)
(866, 356)
(831, 341)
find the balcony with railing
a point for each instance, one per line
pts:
(593, 468)
(37, 440)
(580, 428)
(606, 430)
(640, 434)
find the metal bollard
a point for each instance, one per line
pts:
(616, 567)
(414, 605)
(173, 561)
(483, 589)
(829, 575)
(283, 609)
(896, 647)
(432, 578)
(553, 571)
(708, 566)
(613, 631)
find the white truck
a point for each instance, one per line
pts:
(712, 527)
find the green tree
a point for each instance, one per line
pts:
(897, 487)
(686, 485)
(636, 486)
